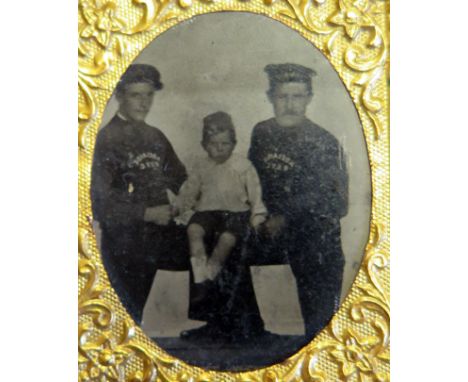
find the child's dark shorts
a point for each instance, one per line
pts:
(217, 222)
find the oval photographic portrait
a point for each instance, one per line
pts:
(231, 191)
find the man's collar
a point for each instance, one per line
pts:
(120, 115)
(128, 121)
(305, 121)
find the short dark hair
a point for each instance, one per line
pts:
(216, 123)
(284, 73)
(140, 73)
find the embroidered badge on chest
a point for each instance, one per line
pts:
(144, 161)
(278, 162)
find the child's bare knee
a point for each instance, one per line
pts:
(227, 239)
(195, 231)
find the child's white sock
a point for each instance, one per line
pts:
(199, 268)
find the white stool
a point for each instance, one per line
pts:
(277, 299)
(166, 310)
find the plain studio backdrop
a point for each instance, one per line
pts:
(215, 62)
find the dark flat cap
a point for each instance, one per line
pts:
(217, 120)
(280, 73)
(141, 73)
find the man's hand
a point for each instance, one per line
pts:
(275, 224)
(256, 221)
(160, 215)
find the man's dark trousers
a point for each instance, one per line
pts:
(312, 247)
(132, 255)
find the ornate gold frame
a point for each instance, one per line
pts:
(354, 36)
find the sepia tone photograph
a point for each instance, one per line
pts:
(231, 191)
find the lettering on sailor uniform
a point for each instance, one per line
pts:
(143, 161)
(278, 161)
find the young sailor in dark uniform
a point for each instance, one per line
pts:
(134, 167)
(305, 185)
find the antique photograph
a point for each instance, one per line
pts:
(231, 191)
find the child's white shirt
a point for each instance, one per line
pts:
(233, 186)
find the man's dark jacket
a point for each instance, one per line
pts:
(302, 170)
(134, 166)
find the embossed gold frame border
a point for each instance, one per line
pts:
(354, 36)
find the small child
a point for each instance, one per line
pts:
(224, 190)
